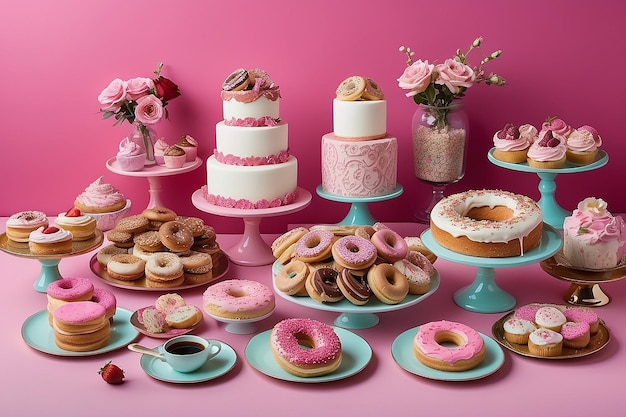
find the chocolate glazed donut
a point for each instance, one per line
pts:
(322, 285)
(354, 287)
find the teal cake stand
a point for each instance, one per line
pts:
(484, 295)
(49, 271)
(359, 213)
(553, 214)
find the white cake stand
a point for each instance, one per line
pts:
(251, 250)
(153, 173)
(242, 326)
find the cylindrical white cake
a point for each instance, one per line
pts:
(236, 145)
(360, 119)
(259, 108)
(250, 186)
(359, 168)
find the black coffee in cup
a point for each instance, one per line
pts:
(185, 348)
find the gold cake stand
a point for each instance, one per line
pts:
(584, 289)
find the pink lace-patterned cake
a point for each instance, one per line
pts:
(251, 167)
(359, 158)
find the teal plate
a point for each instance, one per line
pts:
(356, 354)
(402, 352)
(38, 334)
(214, 368)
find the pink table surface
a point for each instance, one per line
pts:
(36, 383)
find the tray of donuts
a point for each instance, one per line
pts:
(158, 250)
(551, 331)
(331, 263)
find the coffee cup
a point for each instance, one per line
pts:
(188, 353)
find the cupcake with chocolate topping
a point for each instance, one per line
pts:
(174, 157)
(190, 146)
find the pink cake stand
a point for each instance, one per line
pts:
(251, 250)
(153, 173)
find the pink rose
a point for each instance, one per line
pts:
(139, 87)
(149, 110)
(112, 97)
(416, 77)
(454, 74)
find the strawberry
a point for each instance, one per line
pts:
(50, 230)
(111, 373)
(73, 212)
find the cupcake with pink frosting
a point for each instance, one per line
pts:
(510, 145)
(592, 237)
(548, 151)
(190, 146)
(130, 156)
(100, 197)
(558, 126)
(529, 132)
(582, 147)
(159, 150)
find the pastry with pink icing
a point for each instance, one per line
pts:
(518, 330)
(67, 290)
(238, 299)
(558, 126)
(576, 335)
(510, 145)
(582, 146)
(19, 225)
(251, 167)
(159, 150)
(548, 151)
(305, 347)
(130, 156)
(592, 237)
(107, 300)
(80, 326)
(430, 349)
(583, 315)
(529, 132)
(549, 317)
(100, 197)
(50, 241)
(190, 146)
(527, 312)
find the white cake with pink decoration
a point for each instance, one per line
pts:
(359, 158)
(251, 167)
(592, 237)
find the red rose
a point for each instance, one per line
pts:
(166, 89)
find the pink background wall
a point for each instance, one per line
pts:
(560, 58)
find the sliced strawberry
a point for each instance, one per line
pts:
(73, 212)
(50, 230)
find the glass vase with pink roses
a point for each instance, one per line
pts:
(142, 102)
(440, 126)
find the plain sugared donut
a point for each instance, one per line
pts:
(292, 277)
(164, 267)
(286, 240)
(238, 299)
(390, 245)
(387, 283)
(176, 236)
(126, 267)
(314, 246)
(468, 353)
(305, 347)
(354, 252)
(487, 223)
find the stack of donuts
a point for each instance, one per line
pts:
(329, 263)
(167, 249)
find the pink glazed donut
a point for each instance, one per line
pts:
(390, 245)
(354, 252)
(71, 289)
(468, 353)
(238, 299)
(314, 246)
(320, 355)
(106, 299)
